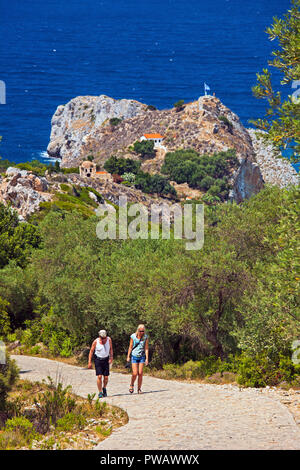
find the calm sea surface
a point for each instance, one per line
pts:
(156, 51)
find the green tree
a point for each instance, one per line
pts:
(4, 319)
(119, 166)
(145, 148)
(16, 239)
(282, 121)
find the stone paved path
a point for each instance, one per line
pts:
(177, 415)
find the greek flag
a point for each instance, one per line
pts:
(206, 88)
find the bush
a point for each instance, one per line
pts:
(119, 166)
(70, 422)
(53, 404)
(66, 171)
(130, 177)
(4, 319)
(179, 105)
(115, 121)
(150, 107)
(16, 239)
(21, 424)
(248, 371)
(18, 432)
(145, 148)
(8, 376)
(260, 370)
(226, 121)
(205, 172)
(154, 184)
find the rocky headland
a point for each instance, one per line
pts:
(87, 126)
(83, 127)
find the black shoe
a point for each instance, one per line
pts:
(104, 392)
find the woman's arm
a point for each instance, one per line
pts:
(91, 354)
(129, 349)
(147, 352)
(111, 353)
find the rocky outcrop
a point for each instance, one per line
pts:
(275, 170)
(74, 123)
(24, 191)
(82, 127)
(247, 181)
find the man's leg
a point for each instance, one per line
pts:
(99, 383)
(105, 380)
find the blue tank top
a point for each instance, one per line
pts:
(139, 351)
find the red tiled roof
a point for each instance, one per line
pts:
(153, 136)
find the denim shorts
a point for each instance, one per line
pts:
(138, 360)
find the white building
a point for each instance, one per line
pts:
(156, 138)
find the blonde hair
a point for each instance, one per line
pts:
(137, 330)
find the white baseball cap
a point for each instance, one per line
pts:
(102, 333)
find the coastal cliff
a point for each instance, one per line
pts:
(83, 127)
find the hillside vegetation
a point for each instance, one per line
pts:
(238, 295)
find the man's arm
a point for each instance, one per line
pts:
(91, 354)
(111, 352)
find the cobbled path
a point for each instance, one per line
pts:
(179, 415)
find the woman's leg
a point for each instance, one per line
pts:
(140, 378)
(135, 368)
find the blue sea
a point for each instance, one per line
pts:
(156, 51)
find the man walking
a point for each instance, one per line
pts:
(102, 351)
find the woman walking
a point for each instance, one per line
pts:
(103, 354)
(139, 350)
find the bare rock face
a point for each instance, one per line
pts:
(247, 181)
(23, 191)
(76, 121)
(275, 170)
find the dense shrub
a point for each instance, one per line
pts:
(144, 148)
(71, 421)
(119, 166)
(248, 371)
(18, 432)
(115, 121)
(8, 376)
(261, 370)
(154, 184)
(206, 172)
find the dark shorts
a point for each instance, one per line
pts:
(138, 360)
(102, 366)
